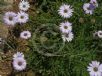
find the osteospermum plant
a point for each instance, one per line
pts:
(48, 54)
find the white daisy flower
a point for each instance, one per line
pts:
(95, 68)
(88, 8)
(94, 2)
(19, 64)
(18, 55)
(67, 37)
(65, 11)
(22, 17)
(25, 35)
(65, 27)
(24, 5)
(9, 18)
(99, 33)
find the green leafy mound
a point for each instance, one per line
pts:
(50, 56)
(46, 53)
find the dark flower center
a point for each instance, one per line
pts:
(10, 18)
(22, 17)
(24, 6)
(100, 33)
(65, 11)
(95, 69)
(88, 8)
(25, 34)
(65, 27)
(19, 63)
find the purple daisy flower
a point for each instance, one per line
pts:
(9, 18)
(92, 6)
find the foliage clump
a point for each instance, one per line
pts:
(45, 51)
